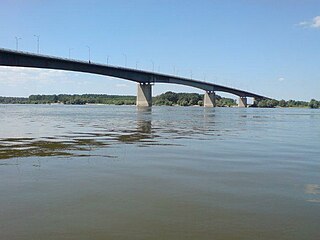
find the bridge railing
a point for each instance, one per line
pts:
(160, 75)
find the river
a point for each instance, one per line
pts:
(118, 172)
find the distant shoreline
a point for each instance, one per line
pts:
(166, 99)
(111, 104)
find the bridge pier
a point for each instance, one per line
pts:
(209, 99)
(242, 102)
(144, 95)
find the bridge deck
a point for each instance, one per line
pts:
(23, 59)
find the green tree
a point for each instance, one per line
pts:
(314, 103)
(282, 103)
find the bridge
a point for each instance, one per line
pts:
(144, 79)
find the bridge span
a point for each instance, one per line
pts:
(144, 79)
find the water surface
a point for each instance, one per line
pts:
(118, 172)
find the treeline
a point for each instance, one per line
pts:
(71, 99)
(13, 100)
(82, 99)
(272, 103)
(168, 99)
(189, 99)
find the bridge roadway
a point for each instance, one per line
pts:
(145, 79)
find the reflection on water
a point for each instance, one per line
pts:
(120, 172)
(18, 147)
(143, 131)
(78, 143)
(313, 189)
(75, 143)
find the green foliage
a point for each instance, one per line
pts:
(282, 103)
(271, 103)
(268, 103)
(293, 103)
(167, 99)
(13, 100)
(73, 99)
(182, 99)
(189, 99)
(314, 103)
(225, 102)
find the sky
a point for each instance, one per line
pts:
(269, 47)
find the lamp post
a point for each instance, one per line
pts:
(38, 41)
(152, 65)
(17, 42)
(107, 58)
(125, 58)
(70, 52)
(89, 51)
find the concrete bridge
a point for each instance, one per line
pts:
(144, 79)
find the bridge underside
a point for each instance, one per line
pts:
(144, 79)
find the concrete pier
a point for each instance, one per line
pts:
(242, 102)
(22, 59)
(144, 95)
(209, 99)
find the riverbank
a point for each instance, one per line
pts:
(166, 99)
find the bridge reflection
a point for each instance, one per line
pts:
(143, 127)
(143, 130)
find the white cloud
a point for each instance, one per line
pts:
(314, 23)
(19, 81)
(14, 76)
(303, 24)
(281, 79)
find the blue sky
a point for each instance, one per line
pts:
(267, 47)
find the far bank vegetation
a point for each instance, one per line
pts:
(167, 99)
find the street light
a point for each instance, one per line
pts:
(137, 64)
(89, 51)
(107, 58)
(38, 40)
(70, 52)
(17, 42)
(125, 57)
(152, 65)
